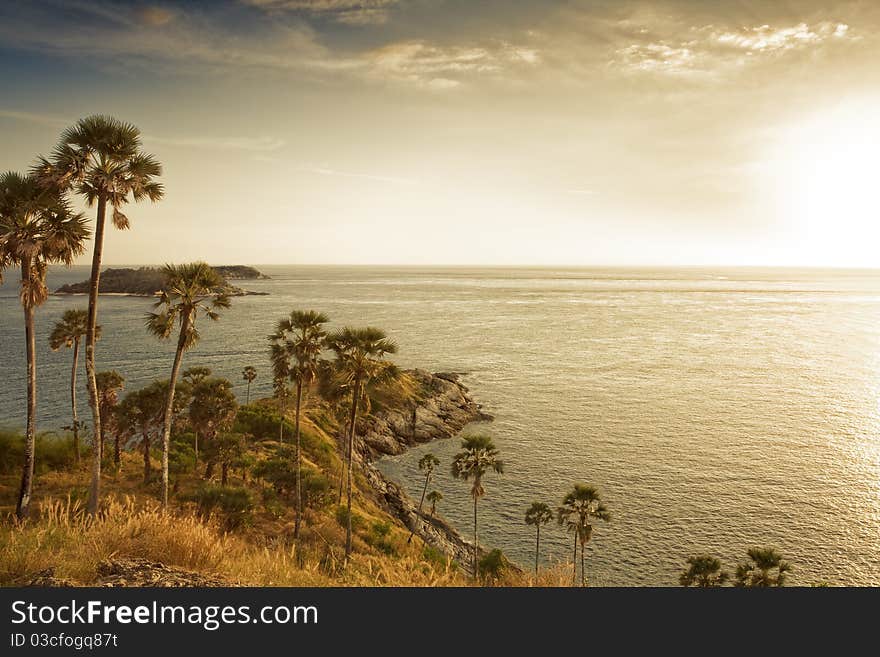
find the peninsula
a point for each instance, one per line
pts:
(147, 281)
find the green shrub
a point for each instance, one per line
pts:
(261, 423)
(52, 452)
(317, 490)
(235, 504)
(342, 518)
(379, 537)
(436, 558)
(492, 565)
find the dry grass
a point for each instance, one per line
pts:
(67, 540)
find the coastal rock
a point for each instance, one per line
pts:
(444, 408)
(141, 572)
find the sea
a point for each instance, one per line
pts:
(715, 409)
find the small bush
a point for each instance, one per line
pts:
(317, 491)
(492, 565)
(51, 452)
(380, 537)
(235, 504)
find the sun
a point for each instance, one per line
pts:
(828, 183)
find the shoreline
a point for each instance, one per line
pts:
(442, 414)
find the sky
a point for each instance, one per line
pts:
(517, 132)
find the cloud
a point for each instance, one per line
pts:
(706, 49)
(33, 117)
(325, 171)
(351, 12)
(154, 16)
(444, 67)
(253, 144)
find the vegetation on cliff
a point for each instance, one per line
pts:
(149, 281)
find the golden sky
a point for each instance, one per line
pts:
(465, 132)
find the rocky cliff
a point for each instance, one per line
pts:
(444, 409)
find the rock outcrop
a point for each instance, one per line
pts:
(443, 409)
(132, 572)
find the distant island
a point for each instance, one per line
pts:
(148, 281)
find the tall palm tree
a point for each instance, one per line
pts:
(190, 290)
(360, 360)
(302, 336)
(478, 456)
(765, 568)
(37, 228)
(249, 373)
(109, 384)
(100, 158)
(426, 464)
(538, 514)
(433, 497)
(703, 571)
(68, 333)
(578, 509)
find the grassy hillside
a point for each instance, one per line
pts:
(240, 533)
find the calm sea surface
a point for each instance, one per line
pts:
(715, 409)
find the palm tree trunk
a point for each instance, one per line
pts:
(224, 473)
(421, 502)
(537, 546)
(356, 391)
(583, 570)
(283, 394)
(248, 394)
(73, 401)
(196, 450)
(94, 283)
(169, 406)
(574, 560)
(117, 450)
(298, 461)
(27, 472)
(147, 472)
(476, 543)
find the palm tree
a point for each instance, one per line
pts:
(703, 571)
(109, 384)
(578, 508)
(360, 360)
(433, 497)
(100, 158)
(37, 228)
(68, 333)
(302, 336)
(538, 514)
(189, 289)
(478, 456)
(196, 374)
(426, 464)
(765, 568)
(249, 373)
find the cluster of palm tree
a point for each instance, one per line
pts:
(99, 159)
(360, 361)
(765, 568)
(580, 507)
